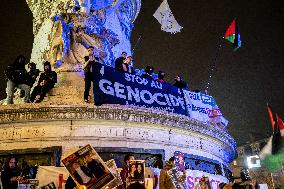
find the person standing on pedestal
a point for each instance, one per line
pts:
(119, 62)
(87, 66)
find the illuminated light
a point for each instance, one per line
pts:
(253, 161)
(58, 63)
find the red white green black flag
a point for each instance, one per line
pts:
(233, 35)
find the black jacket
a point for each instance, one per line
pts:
(86, 171)
(16, 73)
(6, 175)
(181, 85)
(32, 75)
(50, 77)
(96, 168)
(118, 63)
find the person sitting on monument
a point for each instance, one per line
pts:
(16, 76)
(148, 73)
(87, 67)
(119, 62)
(47, 80)
(33, 73)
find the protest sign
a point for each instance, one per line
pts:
(88, 169)
(113, 169)
(115, 87)
(179, 160)
(28, 184)
(136, 172)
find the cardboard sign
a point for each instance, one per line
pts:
(28, 184)
(88, 169)
(136, 172)
(113, 169)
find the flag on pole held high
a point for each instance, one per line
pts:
(270, 114)
(166, 18)
(272, 154)
(233, 35)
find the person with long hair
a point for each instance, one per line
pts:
(11, 174)
(124, 172)
(131, 173)
(139, 173)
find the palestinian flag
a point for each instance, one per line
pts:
(280, 125)
(233, 35)
(272, 154)
(270, 114)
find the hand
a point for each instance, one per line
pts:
(82, 187)
(15, 179)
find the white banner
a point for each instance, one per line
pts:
(49, 174)
(204, 108)
(193, 177)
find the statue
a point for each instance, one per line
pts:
(64, 29)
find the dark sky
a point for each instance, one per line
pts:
(244, 81)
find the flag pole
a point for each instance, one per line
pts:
(272, 180)
(136, 44)
(213, 69)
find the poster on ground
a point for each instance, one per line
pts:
(88, 169)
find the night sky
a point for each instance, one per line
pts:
(244, 80)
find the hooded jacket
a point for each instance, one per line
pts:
(165, 181)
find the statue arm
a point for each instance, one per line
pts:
(31, 4)
(35, 6)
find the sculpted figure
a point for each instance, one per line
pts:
(64, 29)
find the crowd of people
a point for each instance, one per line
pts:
(18, 77)
(11, 175)
(124, 64)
